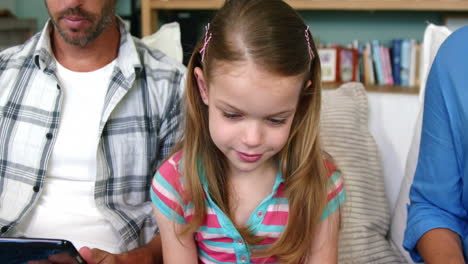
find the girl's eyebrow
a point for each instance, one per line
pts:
(223, 104)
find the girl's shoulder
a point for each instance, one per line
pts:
(167, 189)
(172, 163)
(170, 171)
(330, 164)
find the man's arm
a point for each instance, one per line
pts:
(436, 194)
(441, 245)
(150, 253)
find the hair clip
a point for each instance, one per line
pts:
(207, 39)
(311, 53)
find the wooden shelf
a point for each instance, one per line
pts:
(379, 88)
(16, 31)
(149, 8)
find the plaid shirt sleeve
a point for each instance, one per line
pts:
(170, 129)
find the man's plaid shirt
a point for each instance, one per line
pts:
(137, 129)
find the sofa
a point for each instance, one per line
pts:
(373, 138)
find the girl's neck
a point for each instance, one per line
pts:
(269, 168)
(247, 190)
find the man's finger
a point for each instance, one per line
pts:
(87, 255)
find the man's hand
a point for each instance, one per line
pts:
(97, 256)
(150, 253)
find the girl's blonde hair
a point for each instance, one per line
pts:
(273, 36)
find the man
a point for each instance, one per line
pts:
(438, 216)
(87, 114)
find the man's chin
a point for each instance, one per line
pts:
(76, 38)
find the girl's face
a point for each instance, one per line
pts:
(250, 113)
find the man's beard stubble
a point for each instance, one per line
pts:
(100, 23)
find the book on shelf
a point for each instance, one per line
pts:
(418, 64)
(396, 60)
(348, 64)
(339, 64)
(379, 73)
(359, 69)
(373, 63)
(369, 74)
(415, 62)
(328, 61)
(405, 62)
(387, 65)
(412, 63)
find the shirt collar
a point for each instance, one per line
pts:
(201, 172)
(43, 55)
(128, 59)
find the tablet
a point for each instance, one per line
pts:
(22, 250)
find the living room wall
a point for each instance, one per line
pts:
(327, 26)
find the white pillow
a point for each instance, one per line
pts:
(167, 40)
(433, 38)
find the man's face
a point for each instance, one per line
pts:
(79, 22)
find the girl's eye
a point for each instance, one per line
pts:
(231, 115)
(277, 121)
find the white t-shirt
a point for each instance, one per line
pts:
(66, 208)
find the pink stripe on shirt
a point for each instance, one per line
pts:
(172, 204)
(335, 192)
(217, 255)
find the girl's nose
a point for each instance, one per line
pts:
(252, 134)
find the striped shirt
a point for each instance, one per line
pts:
(217, 239)
(137, 129)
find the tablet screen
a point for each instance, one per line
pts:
(22, 250)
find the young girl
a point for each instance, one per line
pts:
(249, 182)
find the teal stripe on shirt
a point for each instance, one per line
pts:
(334, 204)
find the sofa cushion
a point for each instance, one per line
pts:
(167, 40)
(366, 214)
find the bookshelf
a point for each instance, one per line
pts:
(15, 31)
(150, 9)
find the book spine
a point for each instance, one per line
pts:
(370, 63)
(388, 63)
(405, 62)
(377, 62)
(396, 61)
(412, 65)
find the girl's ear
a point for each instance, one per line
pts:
(200, 76)
(307, 84)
